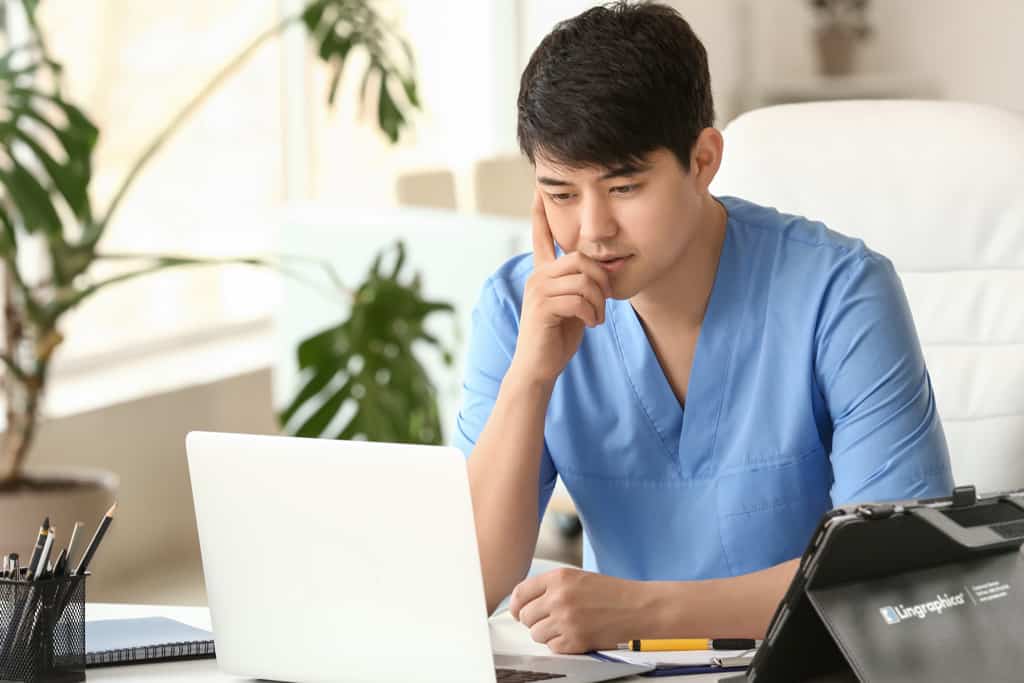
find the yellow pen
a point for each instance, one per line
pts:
(667, 644)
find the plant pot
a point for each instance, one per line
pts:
(837, 47)
(64, 494)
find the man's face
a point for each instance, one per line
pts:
(644, 216)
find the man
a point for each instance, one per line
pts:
(707, 376)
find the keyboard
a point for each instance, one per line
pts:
(516, 676)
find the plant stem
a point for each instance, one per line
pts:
(229, 69)
(21, 391)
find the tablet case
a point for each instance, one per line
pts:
(929, 590)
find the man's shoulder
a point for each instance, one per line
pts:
(509, 280)
(812, 243)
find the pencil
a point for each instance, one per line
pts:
(90, 549)
(677, 644)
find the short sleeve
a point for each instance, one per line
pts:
(492, 344)
(887, 439)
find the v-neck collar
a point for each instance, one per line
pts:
(688, 440)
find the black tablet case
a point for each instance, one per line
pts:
(851, 606)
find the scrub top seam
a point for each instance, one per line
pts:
(728, 372)
(640, 400)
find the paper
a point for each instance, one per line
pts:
(673, 657)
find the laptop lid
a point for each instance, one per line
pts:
(333, 560)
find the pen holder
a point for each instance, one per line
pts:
(42, 630)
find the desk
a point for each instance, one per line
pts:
(507, 635)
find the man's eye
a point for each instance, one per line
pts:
(625, 189)
(561, 196)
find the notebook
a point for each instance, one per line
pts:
(150, 639)
(681, 663)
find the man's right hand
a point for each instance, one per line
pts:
(562, 296)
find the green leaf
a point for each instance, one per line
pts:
(332, 89)
(314, 386)
(9, 237)
(318, 422)
(389, 117)
(399, 259)
(47, 164)
(66, 179)
(409, 86)
(394, 397)
(313, 14)
(336, 27)
(31, 199)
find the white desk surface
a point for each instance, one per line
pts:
(507, 636)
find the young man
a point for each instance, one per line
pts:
(707, 376)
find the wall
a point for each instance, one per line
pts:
(470, 57)
(973, 50)
(151, 553)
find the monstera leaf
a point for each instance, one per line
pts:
(46, 147)
(364, 372)
(339, 26)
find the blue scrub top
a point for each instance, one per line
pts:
(808, 390)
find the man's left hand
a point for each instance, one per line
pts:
(573, 611)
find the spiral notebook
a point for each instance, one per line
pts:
(151, 639)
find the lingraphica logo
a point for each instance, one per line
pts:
(889, 615)
(895, 614)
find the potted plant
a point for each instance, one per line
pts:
(841, 25)
(46, 145)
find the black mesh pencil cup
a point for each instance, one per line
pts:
(42, 630)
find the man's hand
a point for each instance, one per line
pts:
(562, 296)
(573, 611)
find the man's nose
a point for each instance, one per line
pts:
(597, 223)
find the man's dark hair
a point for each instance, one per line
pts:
(611, 85)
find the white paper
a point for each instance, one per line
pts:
(672, 657)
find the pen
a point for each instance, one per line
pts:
(44, 531)
(44, 556)
(61, 563)
(74, 535)
(26, 604)
(667, 644)
(743, 660)
(90, 549)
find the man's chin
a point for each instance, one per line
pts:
(625, 289)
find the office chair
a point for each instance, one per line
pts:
(938, 187)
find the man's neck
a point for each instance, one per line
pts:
(679, 299)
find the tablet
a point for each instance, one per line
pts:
(921, 590)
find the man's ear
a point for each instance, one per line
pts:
(706, 157)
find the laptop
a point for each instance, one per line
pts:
(350, 561)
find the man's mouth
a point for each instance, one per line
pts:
(614, 263)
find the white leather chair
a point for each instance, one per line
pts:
(432, 189)
(938, 187)
(503, 186)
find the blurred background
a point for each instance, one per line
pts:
(265, 167)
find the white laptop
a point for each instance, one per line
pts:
(349, 561)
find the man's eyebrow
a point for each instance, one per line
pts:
(625, 170)
(622, 171)
(543, 180)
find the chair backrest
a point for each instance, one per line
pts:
(938, 187)
(432, 189)
(503, 186)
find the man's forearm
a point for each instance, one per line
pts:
(735, 607)
(504, 470)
